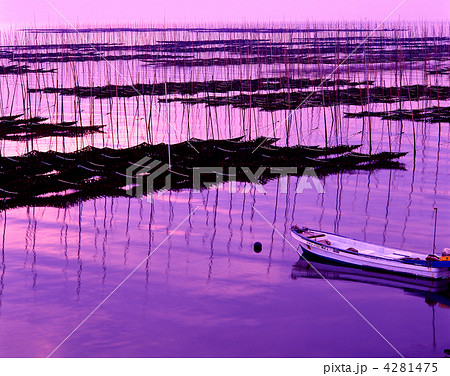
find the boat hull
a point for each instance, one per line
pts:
(368, 262)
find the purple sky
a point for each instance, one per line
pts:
(27, 12)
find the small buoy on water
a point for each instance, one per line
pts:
(257, 247)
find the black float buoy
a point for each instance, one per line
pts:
(257, 247)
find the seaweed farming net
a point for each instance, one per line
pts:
(63, 179)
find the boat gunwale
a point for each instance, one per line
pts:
(375, 269)
(340, 249)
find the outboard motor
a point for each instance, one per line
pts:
(445, 254)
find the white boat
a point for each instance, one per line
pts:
(346, 251)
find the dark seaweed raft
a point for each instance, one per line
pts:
(241, 51)
(350, 96)
(14, 129)
(22, 69)
(63, 179)
(344, 92)
(196, 87)
(433, 114)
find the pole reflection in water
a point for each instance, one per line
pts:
(2, 263)
(205, 284)
(434, 293)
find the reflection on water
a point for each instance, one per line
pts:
(204, 292)
(434, 291)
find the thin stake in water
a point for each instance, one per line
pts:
(435, 222)
(168, 133)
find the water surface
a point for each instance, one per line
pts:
(203, 292)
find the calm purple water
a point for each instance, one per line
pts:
(204, 292)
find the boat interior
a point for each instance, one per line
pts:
(357, 246)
